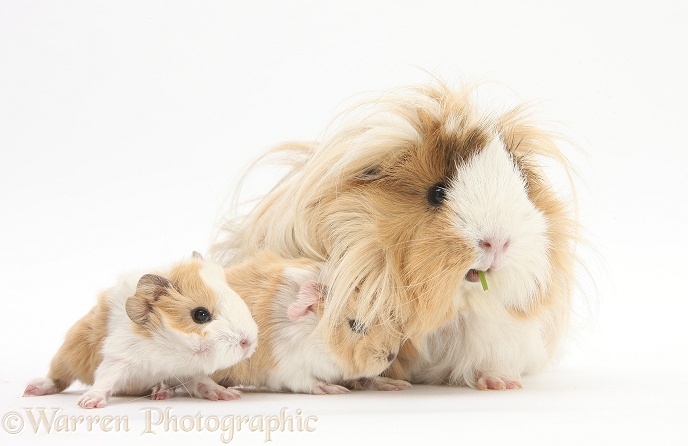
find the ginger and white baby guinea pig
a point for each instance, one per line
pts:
(406, 199)
(154, 332)
(297, 353)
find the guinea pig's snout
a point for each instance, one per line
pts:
(493, 249)
(245, 343)
(241, 340)
(391, 356)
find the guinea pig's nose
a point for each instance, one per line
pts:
(491, 244)
(391, 357)
(245, 343)
(495, 249)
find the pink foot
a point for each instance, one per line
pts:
(162, 392)
(40, 387)
(490, 382)
(94, 399)
(382, 383)
(329, 389)
(217, 392)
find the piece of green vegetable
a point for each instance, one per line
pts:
(481, 274)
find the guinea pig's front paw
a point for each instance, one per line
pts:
(94, 399)
(323, 388)
(216, 392)
(381, 383)
(162, 392)
(487, 381)
(39, 387)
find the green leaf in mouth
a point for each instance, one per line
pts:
(483, 281)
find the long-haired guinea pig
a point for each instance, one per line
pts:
(407, 201)
(152, 332)
(296, 353)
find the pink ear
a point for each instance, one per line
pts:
(309, 294)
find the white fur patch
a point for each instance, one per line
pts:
(489, 199)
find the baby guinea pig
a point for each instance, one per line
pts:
(153, 331)
(296, 352)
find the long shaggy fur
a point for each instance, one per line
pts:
(357, 200)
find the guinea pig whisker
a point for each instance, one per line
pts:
(225, 376)
(429, 290)
(231, 340)
(181, 383)
(424, 239)
(429, 279)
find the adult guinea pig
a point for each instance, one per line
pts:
(152, 332)
(406, 200)
(296, 352)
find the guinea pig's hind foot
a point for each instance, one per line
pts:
(380, 383)
(488, 381)
(162, 392)
(323, 388)
(205, 387)
(39, 387)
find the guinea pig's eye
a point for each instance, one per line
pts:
(437, 194)
(201, 315)
(357, 327)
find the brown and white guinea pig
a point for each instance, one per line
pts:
(406, 200)
(152, 332)
(296, 352)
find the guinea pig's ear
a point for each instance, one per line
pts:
(310, 293)
(196, 255)
(148, 291)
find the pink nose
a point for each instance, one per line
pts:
(494, 248)
(491, 245)
(245, 343)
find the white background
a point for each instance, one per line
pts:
(124, 127)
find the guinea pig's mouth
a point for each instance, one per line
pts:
(472, 275)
